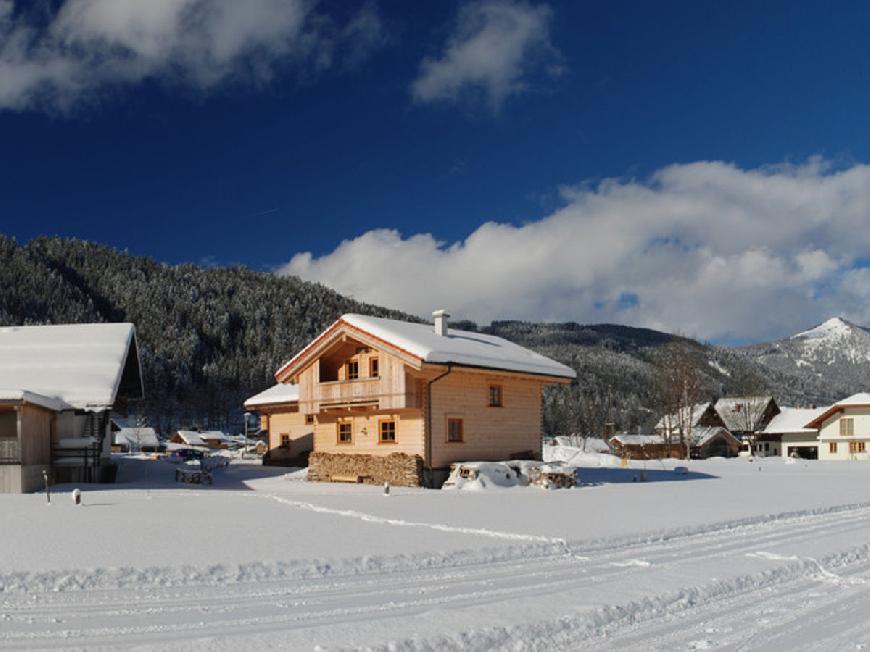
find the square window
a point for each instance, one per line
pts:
(387, 431)
(285, 441)
(309, 419)
(454, 430)
(495, 396)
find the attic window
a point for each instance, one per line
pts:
(847, 427)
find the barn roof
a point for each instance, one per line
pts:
(136, 437)
(81, 366)
(732, 411)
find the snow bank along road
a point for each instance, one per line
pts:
(798, 580)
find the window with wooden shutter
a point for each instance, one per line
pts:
(847, 427)
(832, 447)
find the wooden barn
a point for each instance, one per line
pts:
(646, 447)
(290, 432)
(375, 387)
(58, 386)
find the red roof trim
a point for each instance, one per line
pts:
(817, 422)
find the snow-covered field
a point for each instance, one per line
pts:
(733, 555)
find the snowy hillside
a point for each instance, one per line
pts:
(833, 356)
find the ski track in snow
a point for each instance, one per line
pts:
(213, 606)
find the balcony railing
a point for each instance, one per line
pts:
(367, 392)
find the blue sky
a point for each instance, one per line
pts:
(286, 148)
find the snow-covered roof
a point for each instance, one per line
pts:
(638, 440)
(280, 393)
(465, 348)
(80, 365)
(703, 435)
(136, 437)
(191, 438)
(697, 412)
(793, 420)
(860, 399)
(214, 435)
(732, 411)
(23, 396)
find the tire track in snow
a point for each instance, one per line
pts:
(472, 584)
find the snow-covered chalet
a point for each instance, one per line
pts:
(373, 387)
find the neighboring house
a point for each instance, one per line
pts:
(213, 439)
(58, 385)
(788, 436)
(188, 438)
(706, 441)
(645, 447)
(376, 386)
(701, 415)
(745, 416)
(713, 441)
(290, 432)
(844, 429)
(133, 440)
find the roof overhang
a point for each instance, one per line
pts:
(831, 411)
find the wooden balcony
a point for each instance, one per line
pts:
(372, 393)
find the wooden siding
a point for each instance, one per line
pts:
(409, 432)
(35, 435)
(489, 433)
(290, 422)
(393, 389)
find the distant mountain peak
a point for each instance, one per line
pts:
(834, 328)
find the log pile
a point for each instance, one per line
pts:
(399, 469)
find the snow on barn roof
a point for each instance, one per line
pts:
(191, 437)
(793, 420)
(638, 440)
(81, 366)
(703, 435)
(280, 393)
(23, 396)
(136, 437)
(465, 348)
(732, 411)
(697, 412)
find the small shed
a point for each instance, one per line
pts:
(645, 447)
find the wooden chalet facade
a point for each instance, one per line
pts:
(290, 432)
(371, 387)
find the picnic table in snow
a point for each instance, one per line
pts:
(193, 476)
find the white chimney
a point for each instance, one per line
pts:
(440, 317)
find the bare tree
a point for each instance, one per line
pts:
(679, 387)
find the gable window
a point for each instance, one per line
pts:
(847, 427)
(387, 431)
(856, 447)
(374, 372)
(832, 447)
(352, 370)
(344, 431)
(495, 396)
(285, 441)
(454, 430)
(309, 419)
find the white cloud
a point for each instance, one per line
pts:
(90, 45)
(494, 49)
(707, 249)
